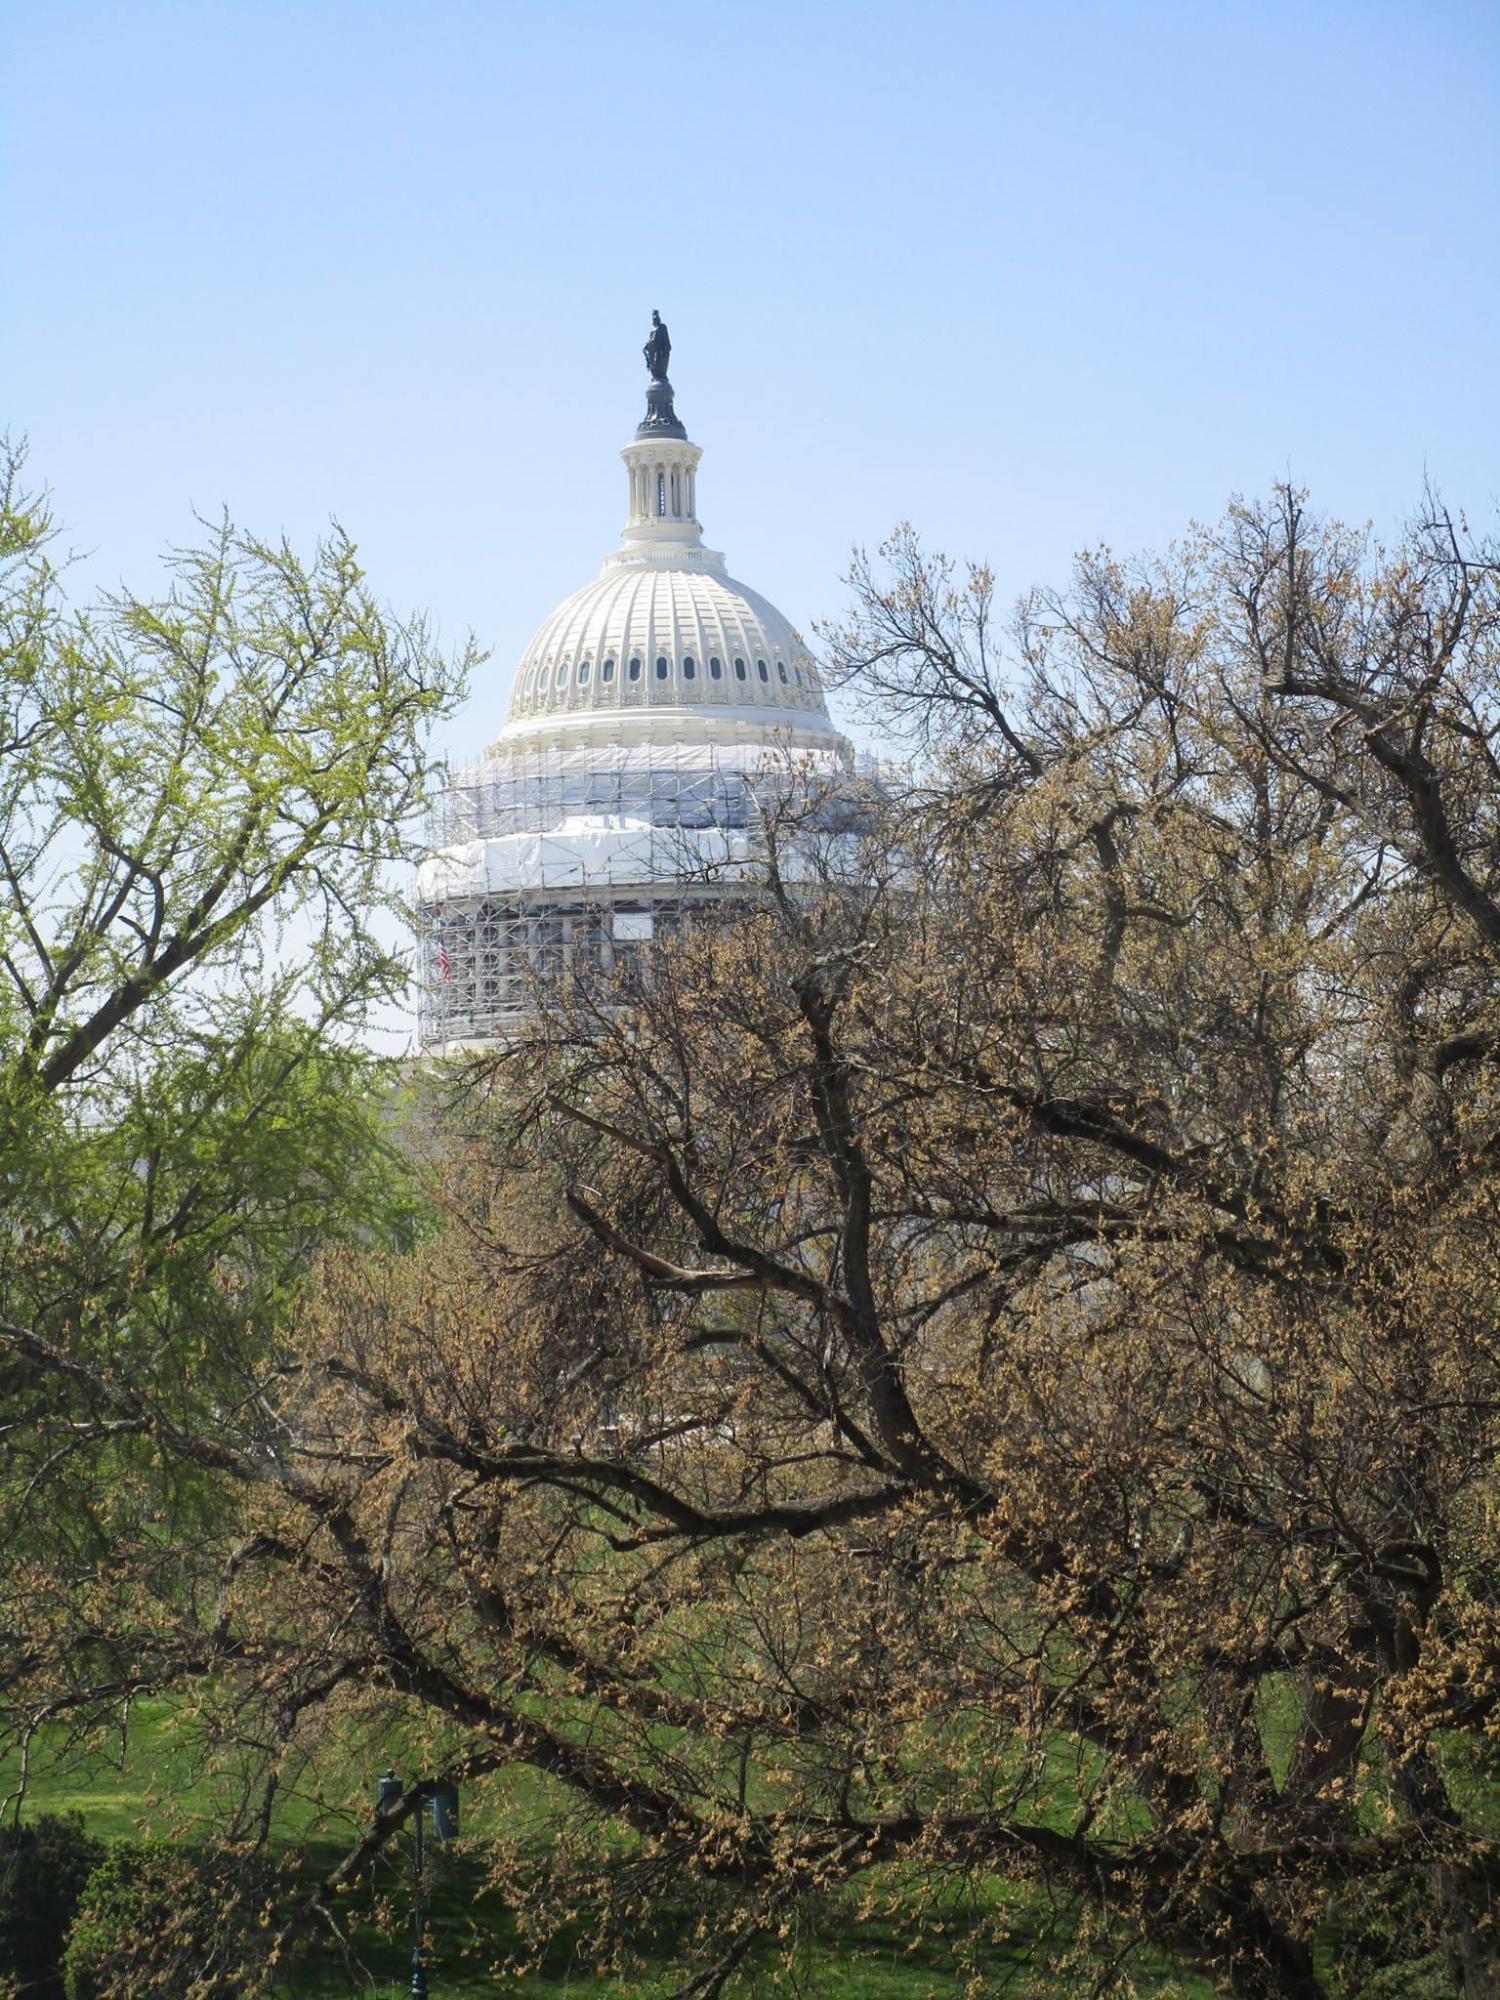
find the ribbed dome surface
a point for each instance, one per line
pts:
(654, 635)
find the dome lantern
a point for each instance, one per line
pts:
(663, 476)
(661, 462)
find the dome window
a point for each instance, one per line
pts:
(763, 670)
(799, 677)
(688, 668)
(607, 671)
(635, 670)
(661, 666)
(530, 679)
(716, 669)
(739, 670)
(562, 673)
(781, 669)
(583, 673)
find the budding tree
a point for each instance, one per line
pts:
(981, 1370)
(203, 796)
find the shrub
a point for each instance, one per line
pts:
(159, 1919)
(1389, 1942)
(43, 1868)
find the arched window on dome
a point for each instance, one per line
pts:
(689, 669)
(661, 666)
(739, 670)
(635, 670)
(781, 669)
(716, 669)
(607, 671)
(583, 673)
(763, 670)
(562, 673)
(799, 676)
(530, 680)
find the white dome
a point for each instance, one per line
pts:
(665, 645)
(648, 636)
(653, 715)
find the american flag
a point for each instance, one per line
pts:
(441, 959)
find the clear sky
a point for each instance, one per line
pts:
(1033, 276)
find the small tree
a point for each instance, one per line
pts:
(157, 1919)
(202, 800)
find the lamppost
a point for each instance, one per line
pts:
(441, 1801)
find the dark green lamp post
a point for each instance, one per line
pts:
(441, 1801)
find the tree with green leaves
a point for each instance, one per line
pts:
(206, 799)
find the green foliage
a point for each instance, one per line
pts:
(1390, 1946)
(43, 1869)
(161, 1919)
(205, 799)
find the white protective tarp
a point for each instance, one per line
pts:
(580, 853)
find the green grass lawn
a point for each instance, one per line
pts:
(151, 1785)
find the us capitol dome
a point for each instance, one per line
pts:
(646, 718)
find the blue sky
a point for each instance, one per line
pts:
(1033, 276)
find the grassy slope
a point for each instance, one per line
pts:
(150, 1786)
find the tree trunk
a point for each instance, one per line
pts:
(1468, 1915)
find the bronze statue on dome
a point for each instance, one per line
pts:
(658, 348)
(660, 420)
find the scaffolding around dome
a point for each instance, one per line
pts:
(551, 866)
